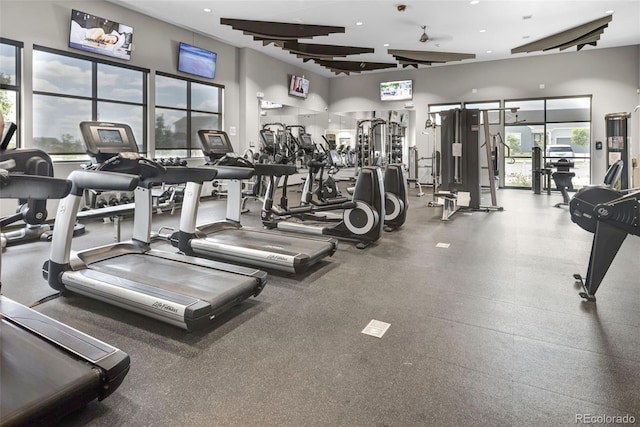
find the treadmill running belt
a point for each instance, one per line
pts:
(40, 381)
(203, 283)
(264, 249)
(273, 242)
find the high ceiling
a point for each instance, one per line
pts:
(489, 29)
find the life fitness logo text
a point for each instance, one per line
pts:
(164, 307)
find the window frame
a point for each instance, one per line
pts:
(192, 148)
(17, 87)
(93, 97)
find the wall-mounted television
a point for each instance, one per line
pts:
(197, 61)
(396, 91)
(298, 86)
(99, 35)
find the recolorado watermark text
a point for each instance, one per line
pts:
(605, 419)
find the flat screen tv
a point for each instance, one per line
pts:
(197, 61)
(298, 86)
(99, 35)
(396, 91)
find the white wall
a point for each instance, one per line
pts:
(610, 75)
(261, 73)
(46, 23)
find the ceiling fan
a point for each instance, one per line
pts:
(424, 37)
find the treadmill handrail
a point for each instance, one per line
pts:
(101, 180)
(234, 172)
(269, 169)
(181, 175)
(34, 187)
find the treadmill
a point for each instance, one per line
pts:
(181, 290)
(228, 239)
(48, 369)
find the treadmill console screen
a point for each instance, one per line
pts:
(110, 136)
(216, 141)
(268, 138)
(104, 140)
(306, 142)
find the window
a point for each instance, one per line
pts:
(10, 53)
(436, 108)
(492, 106)
(69, 89)
(560, 127)
(183, 107)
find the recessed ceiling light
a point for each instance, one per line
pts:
(609, 12)
(474, 2)
(206, 9)
(483, 31)
(386, 45)
(358, 23)
(525, 17)
(489, 51)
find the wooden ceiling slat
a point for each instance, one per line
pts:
(348, 67)
(310, 50)
(565, 38)
(267, 30)
(426, 56)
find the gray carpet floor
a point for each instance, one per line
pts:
(487, 331)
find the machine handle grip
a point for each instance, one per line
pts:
(34, 187)
(267, 169)
(181, 174)
(233, 172)
(100, 180)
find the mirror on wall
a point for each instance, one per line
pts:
(340, 129)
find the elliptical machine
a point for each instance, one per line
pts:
(362, 219)
(325, 189)
(396, 202)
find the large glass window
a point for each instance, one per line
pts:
(434, 109)
(493, 112)
(10, 53)
(560, 127)
(69, 89)
(183, 107)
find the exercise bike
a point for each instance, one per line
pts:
(33, 212)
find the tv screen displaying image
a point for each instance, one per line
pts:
(98, 35)
(298, 86)
(396, 91)
(197, 61)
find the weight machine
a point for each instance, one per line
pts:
(395, 138)
(368, 133)
(460, 161)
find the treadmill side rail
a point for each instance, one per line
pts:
(113, 362)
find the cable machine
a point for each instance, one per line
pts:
(460, 160)
(618, 144)
(460, 163)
